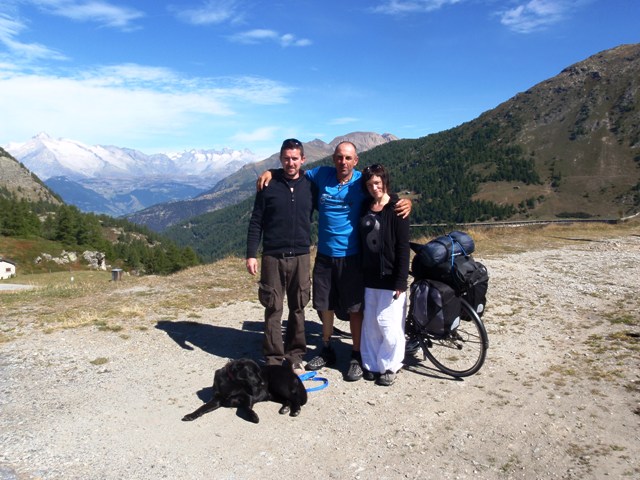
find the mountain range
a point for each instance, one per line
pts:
(117, 180)
(241, 184)
(566, 148)
(156, 190)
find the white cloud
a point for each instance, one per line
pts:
(535, 15)
(342, 121)
(395, 7)
(97, 11)
(262, 35)
(132, 75)
(288, 39)
(254, 36)
(10, 28)
(210, 12)
(126, 102)
(525, 16)
(82, 108)
(258, 135)
(254, 90)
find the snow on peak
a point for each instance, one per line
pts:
(48, 157)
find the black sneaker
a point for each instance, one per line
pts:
(326, 358)
(368, 375)
(386, 379)
(355, 371)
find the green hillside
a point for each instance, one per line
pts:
(442, 191)
(568, 147)
(34, 224)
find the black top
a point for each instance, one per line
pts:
(385, 248)
(281, 217)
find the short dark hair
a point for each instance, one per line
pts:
(375, 170)
(292, 144)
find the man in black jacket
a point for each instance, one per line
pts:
(282, 218)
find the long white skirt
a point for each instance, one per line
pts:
(382, 345)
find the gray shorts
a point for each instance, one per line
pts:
(338, 285)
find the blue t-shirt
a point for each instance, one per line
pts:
(339, 207)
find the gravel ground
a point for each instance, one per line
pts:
(558, 396)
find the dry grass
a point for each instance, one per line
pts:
(88, 298)
(72, 300)
(504, 240)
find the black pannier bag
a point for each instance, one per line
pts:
(471, 280)
(448, 259)
(434, 307)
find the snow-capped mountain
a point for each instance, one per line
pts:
(114, 173)
(49, 157)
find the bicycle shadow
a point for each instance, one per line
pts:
(415, 365)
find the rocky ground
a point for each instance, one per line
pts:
(558, 396)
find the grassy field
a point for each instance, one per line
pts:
(23, 251)
(80, 298)
(76, 298)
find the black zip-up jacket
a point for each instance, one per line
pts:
(281, 217)
(388, 268)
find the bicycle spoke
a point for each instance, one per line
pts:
(462, 353)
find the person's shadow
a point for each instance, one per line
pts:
(221, 341)
(224, 342)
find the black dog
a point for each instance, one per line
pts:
(285, 388)
(242, 384)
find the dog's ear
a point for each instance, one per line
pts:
(255, 369)
(236, 371)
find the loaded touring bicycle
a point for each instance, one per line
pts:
(446, 302)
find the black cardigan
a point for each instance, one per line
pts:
(390, 269)
(281, 217)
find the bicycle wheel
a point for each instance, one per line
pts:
(462, 352)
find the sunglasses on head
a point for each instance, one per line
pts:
(376, 167)
(291, 142)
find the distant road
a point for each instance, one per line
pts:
(521, 223)
(14, 286)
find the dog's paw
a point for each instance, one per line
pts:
(188, 418)
(253, 418)
(283, 410)
(294, 413)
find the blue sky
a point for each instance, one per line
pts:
(168, 76)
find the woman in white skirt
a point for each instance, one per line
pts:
(385, 255)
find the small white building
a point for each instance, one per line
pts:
(7, 269)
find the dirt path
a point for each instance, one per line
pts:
(558, 397)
